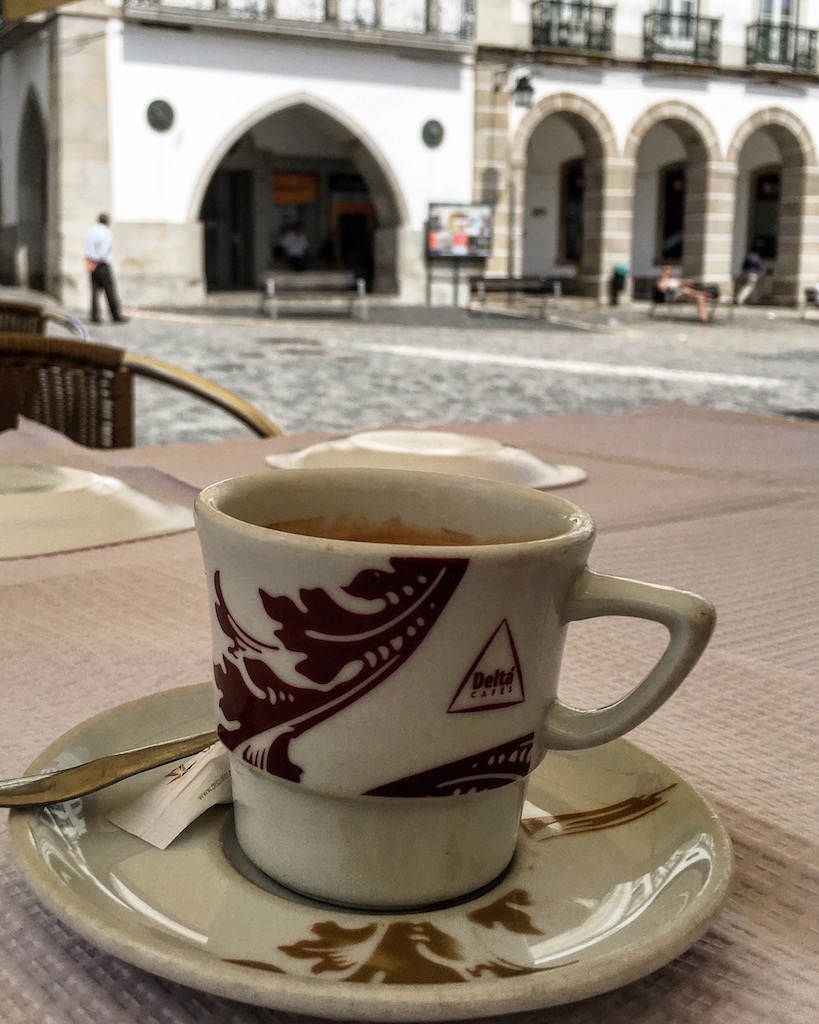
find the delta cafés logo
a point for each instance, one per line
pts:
(494, 680)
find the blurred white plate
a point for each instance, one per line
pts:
(44, 509)
(432, 451)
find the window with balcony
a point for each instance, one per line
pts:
(776, 40)
(675, 30)
(445, 18)
(575, 25)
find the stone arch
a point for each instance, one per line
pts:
(705, 236)
(599, 146)
(385, 194)
(375, 169)
(588, 120)
(788, 131)
(32, 195)
(680, 115)
(797, 251)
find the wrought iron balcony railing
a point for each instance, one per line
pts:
(774, 44)
(441, 18)
(683, 37)
(572, 26)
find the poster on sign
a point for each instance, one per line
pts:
(459, 230)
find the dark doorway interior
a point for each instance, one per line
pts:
(355, 242)
(764, 218)
(227, 212)
(298, 165)
(672, 214)
(32, 191)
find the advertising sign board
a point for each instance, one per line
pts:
(459, 230)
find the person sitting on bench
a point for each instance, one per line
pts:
(674, 288)
(752, 271)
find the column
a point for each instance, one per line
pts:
(79, 159)
(710, 206)
(609, 223)
(797, 261)
(490, 178)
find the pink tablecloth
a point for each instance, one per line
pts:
(720, 503)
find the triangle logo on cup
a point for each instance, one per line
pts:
(494, 680)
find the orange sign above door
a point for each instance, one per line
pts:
(294, 189)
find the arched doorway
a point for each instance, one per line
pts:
(553, 233)
(566, 144)
(773, 154)
(32, 193)
(299, 164)
(674, 148)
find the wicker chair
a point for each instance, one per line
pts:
(85, 390)
(28, 318)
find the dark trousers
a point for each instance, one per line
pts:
(103, 280)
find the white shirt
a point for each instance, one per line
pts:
(295, 243)
(98, 244)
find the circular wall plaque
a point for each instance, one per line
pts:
(433, 134)
(160, 115)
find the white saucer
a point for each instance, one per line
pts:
(591, 902)
(432, 451)
(44, 509)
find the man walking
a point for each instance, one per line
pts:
(97, 251)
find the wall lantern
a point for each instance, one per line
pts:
(523, 92)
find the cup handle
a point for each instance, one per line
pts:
(688, 618)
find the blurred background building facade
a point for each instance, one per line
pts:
(674, 131)
(602, 136)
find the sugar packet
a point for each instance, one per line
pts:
(187, 790)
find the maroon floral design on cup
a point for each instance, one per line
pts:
(488, 769)
(346, 654)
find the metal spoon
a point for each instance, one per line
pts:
(68, 783)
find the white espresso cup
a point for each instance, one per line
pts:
(386, 679)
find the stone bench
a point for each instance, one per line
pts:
(322, 290)
(541, 288)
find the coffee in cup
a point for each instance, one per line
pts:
(389, 531)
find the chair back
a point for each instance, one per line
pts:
(86, 390)
(30, 318)
(21, 318)
(78, 388)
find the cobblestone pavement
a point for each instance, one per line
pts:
(435, 366)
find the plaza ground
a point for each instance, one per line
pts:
(425, 366)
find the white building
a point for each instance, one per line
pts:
(659, 132)
(205, 128)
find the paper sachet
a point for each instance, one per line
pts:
(188, 789)
(535, 821)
